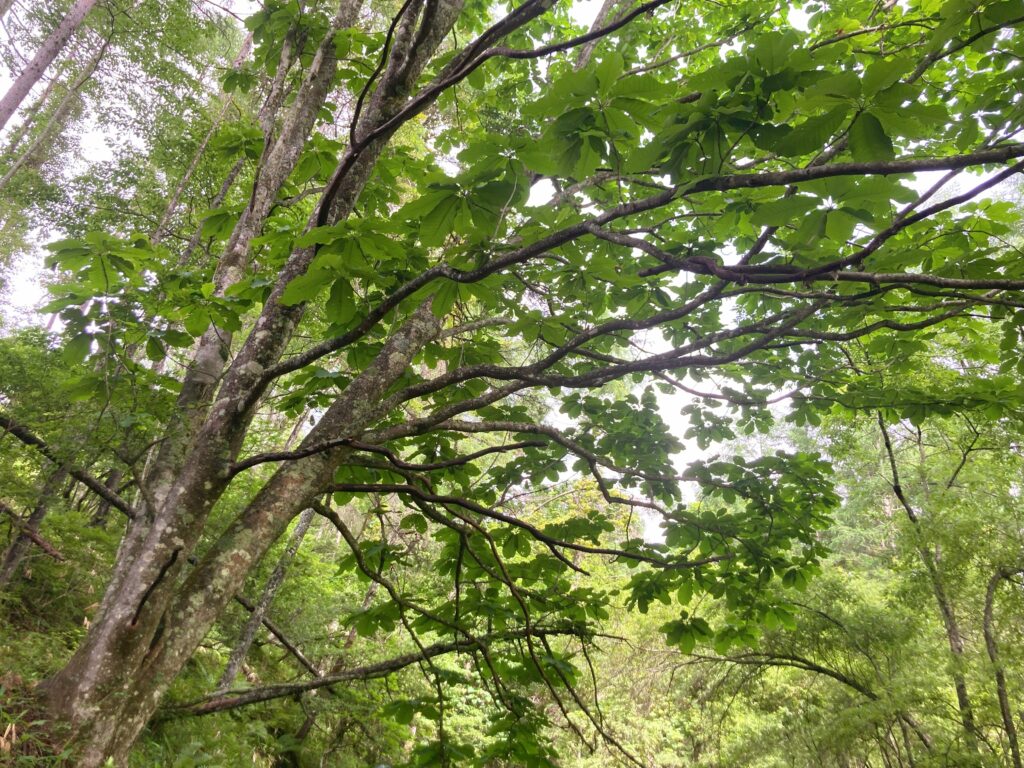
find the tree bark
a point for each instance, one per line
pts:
(16, 552)
(113, 684)
(44, 57)
(1000, 674)
(154, 615)
(56, 120)
(241, 650)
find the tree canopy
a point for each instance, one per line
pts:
(427, 276)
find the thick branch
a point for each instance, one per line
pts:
(235, 699)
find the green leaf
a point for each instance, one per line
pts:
(155, 349)
(813, 134)
(784, 210)
(306, 287)
(77, 349)
(341, 304)
(868, 141)
(436, 225)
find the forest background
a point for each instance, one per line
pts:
(442, 383)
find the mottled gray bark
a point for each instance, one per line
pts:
(111, 704)
(44, 57)
(16, 552)
(154, 615)
(186, 478)
(245, 640)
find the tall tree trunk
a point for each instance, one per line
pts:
(19, 132)
(44, 57)
(154, 615)
(997, 667)
(16, 552)
(955, 640)
(241, 650)
(954, 636)
(99, 518)
(112, 685)
(59, 116)
(336, 667)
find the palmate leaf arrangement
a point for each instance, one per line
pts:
(474, 244)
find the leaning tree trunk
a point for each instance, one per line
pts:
(44, 57)
(57, 120)
(154, 614)
(955, 640)
(954, 635)
(110, 689)
(16, 552)
(1000, 673)
(241, 649)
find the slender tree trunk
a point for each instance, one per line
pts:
(908, 745)
(44, 57)
(997, 667)
(241, 650)
(339, 663)
(955, 641)
(954, 636)
(59, 116)
(16, 552)
(99, 518)
(28, 116)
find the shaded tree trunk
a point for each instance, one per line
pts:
(338, 665)
(16, 552)
(112, 685)
(44, 57)
(99, 518)
(993, 654)
(248, 634)
(954, 635)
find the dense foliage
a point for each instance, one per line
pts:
(443, 383)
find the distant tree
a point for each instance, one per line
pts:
(44, 57)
